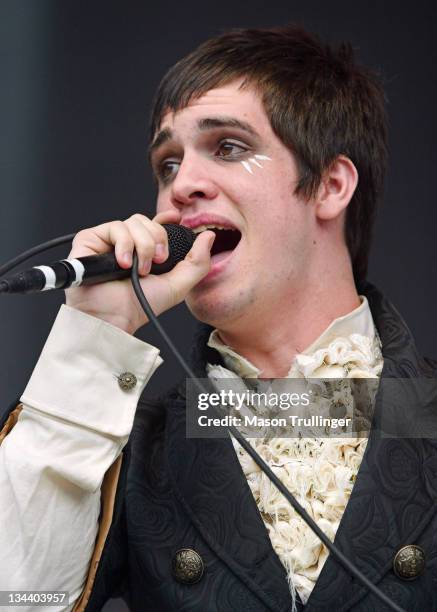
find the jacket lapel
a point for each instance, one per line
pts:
(212, 488)
(214, 492)
(394, 496)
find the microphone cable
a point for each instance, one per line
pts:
(333, 549)
(39, 248)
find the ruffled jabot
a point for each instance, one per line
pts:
(319, 472)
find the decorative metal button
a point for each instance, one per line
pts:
(409, 562)
(187, 566)
(127, 381)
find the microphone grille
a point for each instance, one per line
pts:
(180, 241)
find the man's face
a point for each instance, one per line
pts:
(219, 163)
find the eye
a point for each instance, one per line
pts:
(230, 150)
(167, 169)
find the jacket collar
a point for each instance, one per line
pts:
(212, 487)
(359, 321)
(393, 481)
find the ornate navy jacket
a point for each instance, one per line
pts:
(175, 493)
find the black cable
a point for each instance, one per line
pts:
(337, 554)
(39, 248)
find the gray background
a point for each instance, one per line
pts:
(77, 80)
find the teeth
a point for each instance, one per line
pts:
(202, 228)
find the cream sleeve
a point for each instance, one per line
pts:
(76, 418)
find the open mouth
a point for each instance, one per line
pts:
(225, 240)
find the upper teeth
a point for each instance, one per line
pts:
(202, 228)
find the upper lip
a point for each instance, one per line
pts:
(207, 219)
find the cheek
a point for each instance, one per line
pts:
(250, 182)
(163, 204)
(267, 178)
(282, 226)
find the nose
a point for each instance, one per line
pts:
(192, 183)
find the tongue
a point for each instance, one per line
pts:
(220, 256)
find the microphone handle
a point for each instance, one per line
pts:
(89, 270)
(103, 268)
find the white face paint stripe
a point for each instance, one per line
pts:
(50, 275)
(247, 166)
(254, 160)
(79, 269)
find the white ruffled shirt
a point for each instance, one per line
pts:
(319, 472)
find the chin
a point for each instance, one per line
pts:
(205, 311)
(218, 310)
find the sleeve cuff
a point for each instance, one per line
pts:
(78, 376)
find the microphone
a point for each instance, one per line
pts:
(94, 269)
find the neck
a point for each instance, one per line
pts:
(297, 322)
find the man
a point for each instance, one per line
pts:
(276, 142)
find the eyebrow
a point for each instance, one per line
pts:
(161, 138)
(207, 123)
(210, 123)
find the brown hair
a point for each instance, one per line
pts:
(320, 103)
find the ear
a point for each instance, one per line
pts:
(336, 188)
